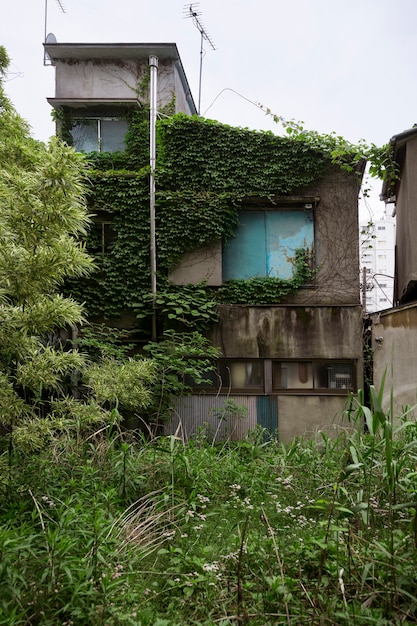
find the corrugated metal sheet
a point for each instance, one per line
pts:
(194, 415)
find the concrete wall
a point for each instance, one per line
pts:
(336, 246)
(181, 103)
(406, 211)
(289, 332)
(106, 79)
(198, 265)
(280, 332)
(321, 321)
(298, 416)
(306, 416)
(394, 345)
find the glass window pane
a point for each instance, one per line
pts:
(102, 237)
(293, 375)
(329, 375)
(109, 236)
(85, 135)
(112, 135)
(287, 232)
(242, 374)
(211, 379)
(266, 242)
(245, 254)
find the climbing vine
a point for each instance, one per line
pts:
(268, 289)
(197, 154)
(205, 170)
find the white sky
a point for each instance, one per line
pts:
(338, 65)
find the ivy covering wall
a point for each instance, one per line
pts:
(204, 170)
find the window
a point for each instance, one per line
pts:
(99, 134)
(236, 374)
(266, 376)
(266, 243)
(312, 375)
(381, 227)
(102, 237)
(242, 374)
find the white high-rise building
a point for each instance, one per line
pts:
(377, 262)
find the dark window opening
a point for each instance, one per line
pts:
(102, 237)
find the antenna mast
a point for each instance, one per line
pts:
(62, 7)
(192, 11)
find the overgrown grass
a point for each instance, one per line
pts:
(115, 530)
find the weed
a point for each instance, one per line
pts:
(116, 530)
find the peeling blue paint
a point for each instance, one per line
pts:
(265, 243)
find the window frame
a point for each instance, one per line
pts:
(278, 205)
(99, 119)
(268, 386)
(105, 241)
(315, 365)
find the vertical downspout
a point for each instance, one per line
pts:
(153, 64)
(364, 298)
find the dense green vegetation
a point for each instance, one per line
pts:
(204, 172)
(52, 380)
(112, 530)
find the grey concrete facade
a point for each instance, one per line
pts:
(335, 201)
(111, 74)
(321, 321)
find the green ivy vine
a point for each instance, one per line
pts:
(204, 155)
(267, 289)
(204, 171)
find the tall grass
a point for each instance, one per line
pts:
(116, 530)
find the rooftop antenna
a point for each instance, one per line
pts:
(50, 38)
(193, 11)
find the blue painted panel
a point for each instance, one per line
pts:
(286, 232)
(245, 254)
(266, 242)
(267, 413)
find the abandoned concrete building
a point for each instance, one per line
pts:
(289, 364)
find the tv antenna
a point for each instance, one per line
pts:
(50, 38)
(192, 11)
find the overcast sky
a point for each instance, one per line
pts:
(338, 65)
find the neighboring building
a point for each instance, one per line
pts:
(403, 192)
(291, 364)
(377, 258)
(97, 83)
(394, 332)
